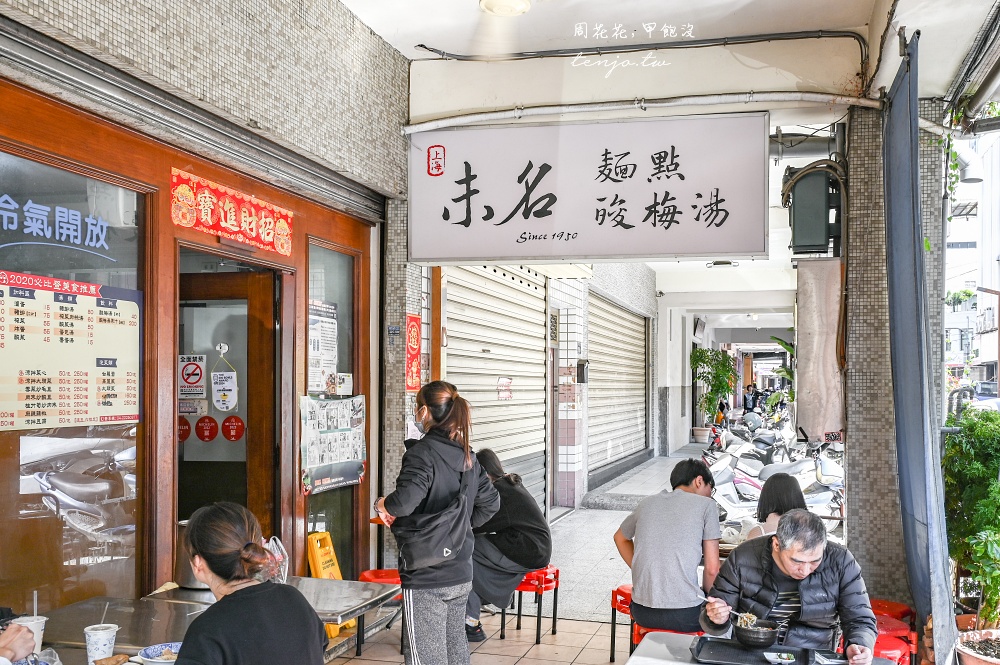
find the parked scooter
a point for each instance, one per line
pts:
(94, 494)
(816, 468)
(735, 501)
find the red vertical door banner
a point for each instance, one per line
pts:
(412, 352)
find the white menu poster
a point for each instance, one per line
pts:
(70, 352)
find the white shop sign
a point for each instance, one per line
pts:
(669, 188)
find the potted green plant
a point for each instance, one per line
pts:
(716, 370)
(971, 466)
(785, 372)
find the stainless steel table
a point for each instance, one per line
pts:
(337, 601)
(660, 648)
(141, 622)
(72, 656)
(182, 595)
(165, 617)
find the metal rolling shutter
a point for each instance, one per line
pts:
(496, 329)
(616, 395)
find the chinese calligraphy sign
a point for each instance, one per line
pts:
(685, 187)
(218, 210)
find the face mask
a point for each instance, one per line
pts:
(419, 425)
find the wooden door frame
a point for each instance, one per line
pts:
(360, 526)
(260, 387)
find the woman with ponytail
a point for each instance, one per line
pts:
(435, 596)
(252, 622)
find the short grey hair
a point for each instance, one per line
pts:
(801, 527)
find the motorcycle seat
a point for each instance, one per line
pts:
(791, 468)
(820, 498)
(765, 436)
(82, 487)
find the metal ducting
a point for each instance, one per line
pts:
(783, 146)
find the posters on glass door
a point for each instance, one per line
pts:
(333, 443)
(322, 357)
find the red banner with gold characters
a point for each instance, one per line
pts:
(412, 352)
(212, 208)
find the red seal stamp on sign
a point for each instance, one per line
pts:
(183, 429)
(233, 428)
(206, 428)
(435, 160)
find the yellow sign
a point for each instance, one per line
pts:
(323, 565)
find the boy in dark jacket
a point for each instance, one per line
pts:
(796, 576)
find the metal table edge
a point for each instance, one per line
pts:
(376, 601)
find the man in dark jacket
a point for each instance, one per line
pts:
(796, 576)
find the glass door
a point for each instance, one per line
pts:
(330, 366)
(227, 367)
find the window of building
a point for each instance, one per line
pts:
(70, 406)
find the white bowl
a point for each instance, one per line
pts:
(151, 654)
(779, 657)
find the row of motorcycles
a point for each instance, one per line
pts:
(743, 456)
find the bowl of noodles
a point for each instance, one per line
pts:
(753, 632)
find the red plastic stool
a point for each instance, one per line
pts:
(638, 632)
(891, 627)
(889, 608)
(387, 576)
(381, 576)
(892, 648)
(621, 599)
(536, 582)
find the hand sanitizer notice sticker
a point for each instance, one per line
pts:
(224, 390)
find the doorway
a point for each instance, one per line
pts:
(227, 390)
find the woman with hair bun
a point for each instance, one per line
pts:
(435, 596)
(252, 622)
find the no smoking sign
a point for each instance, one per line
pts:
(191, 376)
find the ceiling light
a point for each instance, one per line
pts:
(505, 7)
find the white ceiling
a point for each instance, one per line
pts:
(459, 26)
(947, 27)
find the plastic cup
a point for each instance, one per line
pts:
(100, 641)
(36, 625)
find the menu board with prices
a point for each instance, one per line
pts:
(70, 353)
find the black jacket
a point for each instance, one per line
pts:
(519, 529)
(834, 590)
(427, 483)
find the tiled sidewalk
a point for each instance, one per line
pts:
(589, 569)
(579, 642)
